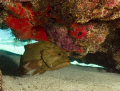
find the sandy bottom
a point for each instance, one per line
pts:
(71, 78)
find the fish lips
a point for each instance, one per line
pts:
(57, 64)
(61, 65)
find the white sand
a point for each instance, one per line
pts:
(71, 78)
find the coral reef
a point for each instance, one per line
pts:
(59, 35)
(78, 27)
(76, 10)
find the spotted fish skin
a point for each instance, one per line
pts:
(42, 56)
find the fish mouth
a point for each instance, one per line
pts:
(61, 64)
(64, 64)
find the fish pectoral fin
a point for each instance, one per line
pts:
(40, 71)
(33, 65)
(22, 71)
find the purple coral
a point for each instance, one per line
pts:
(59, 35)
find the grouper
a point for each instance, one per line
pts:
(42, 56)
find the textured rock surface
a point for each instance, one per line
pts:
(112, 45)
(81, 11)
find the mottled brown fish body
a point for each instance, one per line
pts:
(42, 56)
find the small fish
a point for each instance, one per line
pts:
(42, 56)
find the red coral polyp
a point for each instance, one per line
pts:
(17, 24)
(17, 9)
(23, 29)
(78, 31)
(39, 33)
(24, 22)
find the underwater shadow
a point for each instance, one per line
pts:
(8, 64)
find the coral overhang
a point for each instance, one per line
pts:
(77, 26)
